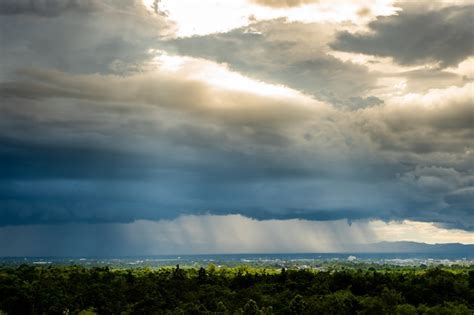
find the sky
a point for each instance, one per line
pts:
(234, 126)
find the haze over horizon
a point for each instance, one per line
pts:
(160, 127)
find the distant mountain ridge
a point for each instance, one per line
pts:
(415, 247)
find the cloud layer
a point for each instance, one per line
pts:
(190, 146)
(416, 35)
(278, 51)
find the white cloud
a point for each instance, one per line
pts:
(464, 68)
(215, 16)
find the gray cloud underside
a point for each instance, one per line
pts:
(422, 80)
(154, 145)
(293, 54)
(80, 37)
(54, 8)
(48, 7)
(416, 35)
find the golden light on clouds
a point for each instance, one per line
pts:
(220, 76)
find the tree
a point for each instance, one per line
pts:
(251, 308)
(405, 309)
(471, 279)
(178, 273)
(202, 276)
(221, 308)
(297, 305)
(283, 275)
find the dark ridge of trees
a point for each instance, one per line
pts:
(77, 290)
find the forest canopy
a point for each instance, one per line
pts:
(28, 289)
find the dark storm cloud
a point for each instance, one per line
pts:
(443, 188)
(190, 148)
(26, 160)
(101, 173)
(461, 200)
(293, 54)
(416, 35)
(46, 7)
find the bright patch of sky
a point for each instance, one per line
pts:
(214, 16)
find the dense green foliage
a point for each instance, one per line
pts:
(78, 290)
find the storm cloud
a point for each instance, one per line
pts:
(218, 150)
(418, 34)
(108, 118)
